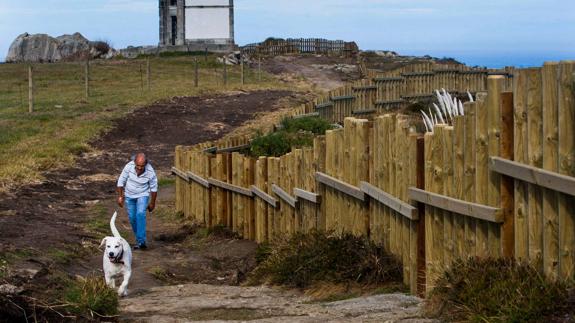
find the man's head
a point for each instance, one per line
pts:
(140, 161)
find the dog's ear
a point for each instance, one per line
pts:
(103, 243)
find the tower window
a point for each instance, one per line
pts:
(173, 2)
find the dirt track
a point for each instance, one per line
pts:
(55, 215)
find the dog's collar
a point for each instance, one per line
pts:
(118, 258)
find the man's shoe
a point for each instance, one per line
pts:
(141, 246)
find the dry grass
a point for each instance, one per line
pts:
(498, 290)
(63, 122)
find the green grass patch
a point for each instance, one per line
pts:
(91, 297)
(166, 181)
(61, 256)
(305, 259)
(315, 125)
(293, 133)
(64, 122)
(99, 222)
(497, 290)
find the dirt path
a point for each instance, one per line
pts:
(187, 274)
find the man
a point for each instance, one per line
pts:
(138, 188)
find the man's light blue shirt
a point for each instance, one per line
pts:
(137, 186)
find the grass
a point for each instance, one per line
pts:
(91, 297)
(497, 290)
(293, 133)
(166, 181)
(99, 222)
(305, 259)
(64, 122)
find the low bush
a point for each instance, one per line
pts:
(497, 290)
(293, 133)
(91, 297)
(305, 259)
(315, 125)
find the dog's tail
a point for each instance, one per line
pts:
(113, 225)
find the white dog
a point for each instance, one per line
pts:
(117, 259)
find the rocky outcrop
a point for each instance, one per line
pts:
(44, 48)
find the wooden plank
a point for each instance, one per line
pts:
(230, 187)
(534, 155)
(292, 201)
(495, 85)
(307, 115)
(520, 156)
(181, 174)
(340, 186)
(458, 183)
(430, 259)
(198, 179)
(566, 167)
(481, 173)
(447, 167)
(507, 183)
(265, 196)
(390, 201)
(550, 163)
(474, 210)
(534, 175)
(306, 195)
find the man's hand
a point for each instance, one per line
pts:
(151, 206)
(121, 201)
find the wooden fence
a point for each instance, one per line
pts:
(399, 88)
(498, 182)
(274, 47)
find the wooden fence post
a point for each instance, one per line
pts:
(87, 79)
(148, 72)
(196, 78)
(242, 70)
(30, 89)
(141, 79)
(259, 69)
(225, 71)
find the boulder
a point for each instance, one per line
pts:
(44, 48)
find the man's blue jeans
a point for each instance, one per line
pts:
(136, 208)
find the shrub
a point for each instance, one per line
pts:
(91, 296)
(294, 133)
(496, 290)
(315, 125)
(304, 259)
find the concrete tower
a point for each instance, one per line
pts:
(197, 24)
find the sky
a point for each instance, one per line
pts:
(490, 33)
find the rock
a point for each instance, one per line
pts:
(44, 48)
(9, 289)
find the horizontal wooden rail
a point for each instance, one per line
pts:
(403, 208)
(341, 186)
(292, 201)
(198, 179)
(389, 102)
(364, 87)
(555, 181)
(232, 149)
(411, 74)
(180, 174)
(363, 111)
(306, 195)
(211, 150)
(388, 79)
(265, 196)
(473, 210)
(230, 187)
(342, 97)
(312, 114)
(324, 105)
